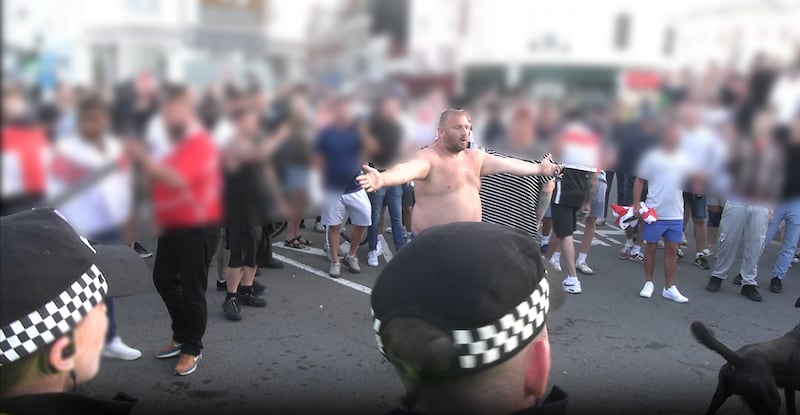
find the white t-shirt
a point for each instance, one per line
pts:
(223, 132)
(105, 205)
(703, 147)
(785, 98)
(665, 174)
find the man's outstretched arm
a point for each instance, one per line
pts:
(414, 169)
(494, 165)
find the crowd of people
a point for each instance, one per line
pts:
(217, 169)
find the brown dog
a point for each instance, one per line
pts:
(756, 371)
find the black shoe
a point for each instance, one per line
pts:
(274, 264)
(231, 309)
(222, 285)
(258, 288)
(302, 224)
(141, 250)
(751, 292)
(701, 262)
(775, 285)
(737, 280)
(258, 272)
(714, 284)
(252, 300)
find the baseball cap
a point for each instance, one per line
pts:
(483, 286)
(52, 277)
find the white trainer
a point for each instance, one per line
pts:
(584, 268)
(572, 285)
(117, 349)
(556, 264)
(372, 258)
(647, 291)
(379, 248)
(673, 294)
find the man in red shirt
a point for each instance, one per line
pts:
(24, 150)
(186, 200)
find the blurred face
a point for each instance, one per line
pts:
(13, 106)
(341, 112)
(90, 338)
(247, 125)
(299, 106)
(390, 107)
(690, 114)
(671, 137)
(93, 124)
(455, 132)
(522, 129)
(177, 115)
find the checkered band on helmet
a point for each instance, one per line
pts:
(501, 339)
(58, 317)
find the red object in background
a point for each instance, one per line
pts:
(641, 79)
(29, 145)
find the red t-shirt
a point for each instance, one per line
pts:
(197, 203)
(25, 148)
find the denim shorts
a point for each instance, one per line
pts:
(698, 205)
(670, 230)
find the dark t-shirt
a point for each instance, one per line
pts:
(791, 183)
(341, 148)
(389, 136)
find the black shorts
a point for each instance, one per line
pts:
(243, 244)
(565, 218)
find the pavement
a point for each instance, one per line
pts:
(311, 350)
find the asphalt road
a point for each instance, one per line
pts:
(312, 351)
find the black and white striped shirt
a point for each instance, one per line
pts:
(512, 200)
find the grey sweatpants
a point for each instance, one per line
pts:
(741, 223)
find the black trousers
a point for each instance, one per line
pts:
(180, 275)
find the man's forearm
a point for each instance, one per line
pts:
(637, 191)
(542, 204)
(162, 173)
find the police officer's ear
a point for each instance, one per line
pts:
(537, 365)
(61, 357)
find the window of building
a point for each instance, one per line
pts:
(622, 28)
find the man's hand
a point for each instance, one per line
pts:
(549, 168)
(371, 180)
(135, 149)
(585, 210)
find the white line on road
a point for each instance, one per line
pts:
(324, 275)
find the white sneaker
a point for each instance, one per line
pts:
(335, 270)
(372, 258)
(352, 264)
(584, 269)
(601, 222)
(684, 241)
(117, 349)
(660, 244)
(388, 230)
(379, 248)
(556, 264)
(572, 285)
(647, 291)
(673, 294)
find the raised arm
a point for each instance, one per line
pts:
(414, 169)
(493, 165)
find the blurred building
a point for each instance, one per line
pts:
(733, 32)
(180, 40)
(358, 42)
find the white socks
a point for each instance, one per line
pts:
(556, 257)
(581, 258)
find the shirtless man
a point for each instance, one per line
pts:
(447, 175)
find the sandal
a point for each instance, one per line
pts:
(303, 241)
(294, 243)
(637, 257)
(625, 252)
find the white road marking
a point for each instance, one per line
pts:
(322, 274)
(306, 250)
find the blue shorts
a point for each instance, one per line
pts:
(599, 201)
(671, 230)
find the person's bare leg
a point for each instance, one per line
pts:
(248, 276)
(588, 234)
(670, 263)
(649, 261)
(699, 235)
(233, 277)
(355, 238)
(553, 247)
(407, 215)
(568, 252)
(547, 225)
(333, 242)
